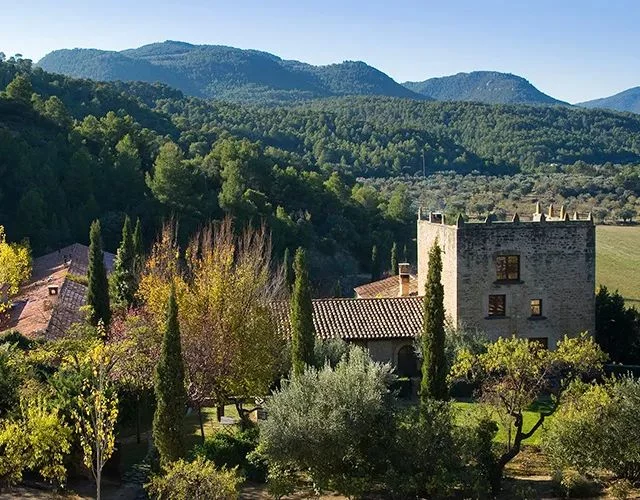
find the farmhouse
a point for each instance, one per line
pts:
(534, 278)
(50, 302)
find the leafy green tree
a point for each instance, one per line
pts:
(375, 264)
(312, 425)
(514, 373)
(434, 362)
(98, 285)
(171, 395)
(617, 327)
(123, 278)
(172, 183)
(10, 379)
(302, 330)
(394, 259)
(289, 276)
(20, 88)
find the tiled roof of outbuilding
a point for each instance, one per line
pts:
(387, 287)
(353, 319)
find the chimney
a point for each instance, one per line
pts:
(404, 275)
(53, 289)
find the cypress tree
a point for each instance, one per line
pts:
(288, 270)
(123, 277)
(394, 259)
(138, 246)
(303, 334)
(171, 396)
(434, 364)
(375, 264)
(405, 254)
(98, 286)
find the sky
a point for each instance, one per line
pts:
(573, 50)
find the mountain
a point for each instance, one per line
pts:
(628, 100)
(489, 87)
(228, 73)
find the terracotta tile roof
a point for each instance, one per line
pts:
(36, 312)
(352, 319)
(387, 287)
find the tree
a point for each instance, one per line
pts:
(15, 268)
(171, 396)
(98, 285)
(302, 330)
(232, 346)
(617, 327)
(375, 264)
(513, 373)
(312, 425)
(138, 245)
(394, 259)
(95, 412)
(20, 88)
(123, 278)
(172, 180)
(289, 276)
(434, 363)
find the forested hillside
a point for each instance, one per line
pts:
(490, 87)
(73, 150)
(627, 100)
(216, 71)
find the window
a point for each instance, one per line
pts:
(497, 305)
(536, 307)
(508, 267)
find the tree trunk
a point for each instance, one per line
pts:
(138, 418)
(201, 423)
(98, 481)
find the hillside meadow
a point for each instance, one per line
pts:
(618, 260)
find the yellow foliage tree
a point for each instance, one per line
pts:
(225, 285)
(15, 268)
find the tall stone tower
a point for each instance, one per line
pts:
(533, 278)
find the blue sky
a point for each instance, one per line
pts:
(573, 50)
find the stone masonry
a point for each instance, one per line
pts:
(546, 290)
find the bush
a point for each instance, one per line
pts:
(231, 450)
(573, 484)
(334, 424)
(424, 456)
(194, 481)
(596, 430)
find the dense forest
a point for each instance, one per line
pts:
(216, 71)
(490, 87)
(336, 175)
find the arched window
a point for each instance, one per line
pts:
(407, 362)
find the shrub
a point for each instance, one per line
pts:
(573, 484)
(596, 430)
(424, 456)
(334, 424)
(197, 480)
(231, 450)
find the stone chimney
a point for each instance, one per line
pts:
(404, 275)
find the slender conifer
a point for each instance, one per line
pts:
(302, 331)
(98, 286)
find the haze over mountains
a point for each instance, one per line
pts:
(232, 74)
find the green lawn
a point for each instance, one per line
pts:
(618, 260)
(466, 410)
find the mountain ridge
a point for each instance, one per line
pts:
(227, 73)
(625, 101)
(490, 87)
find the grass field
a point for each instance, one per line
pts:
(618, 260)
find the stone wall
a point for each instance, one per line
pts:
(557, 265)
(428, 232)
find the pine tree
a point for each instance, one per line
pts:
(375, 264)
(98, 286)
(434, 364)
(171, 395)
(394, 259)
(302, 331)
(288, 270)
(123, 278)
